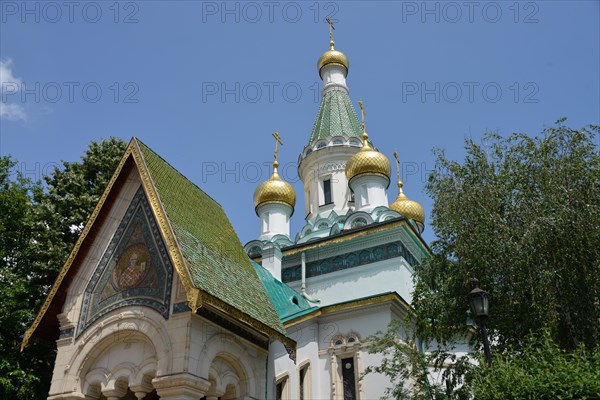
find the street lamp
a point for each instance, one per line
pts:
(479, 302)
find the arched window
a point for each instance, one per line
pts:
(358, 222)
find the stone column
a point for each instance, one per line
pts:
(182, 386)
(141, 390)
(114, 393)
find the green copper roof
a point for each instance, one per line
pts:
(214, 255)
(282, 295)
(336, 117)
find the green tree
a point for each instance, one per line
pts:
(72, 192)
(20, 373)
(521, 214)
(38, 227)
(539, 370)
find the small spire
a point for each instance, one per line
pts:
(365, 136)
(362, 114)
(331, 29)
(400, 184)
(278, 142)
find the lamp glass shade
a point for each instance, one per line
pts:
(479, 302)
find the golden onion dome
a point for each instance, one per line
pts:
(275, 190)
(333, 56)
(409, 208)
(367, 161)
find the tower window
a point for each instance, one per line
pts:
(327, 191)
(281, 389)
(304, 383)
(363, 196)
(348, 378)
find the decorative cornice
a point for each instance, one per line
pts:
(350, 305)
(343, 237)
(357, 257)
(181, 385)
(339, 166)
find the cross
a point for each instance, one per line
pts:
(397, 165)
(362, 113)
(331, 28)
(277, 143)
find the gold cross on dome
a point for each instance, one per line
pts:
(278, 142)
(362, 113)
(397, 165)
(331, 28)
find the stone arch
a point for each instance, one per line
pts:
(110, 374)
(225, 347)
(227, 375)
(144, 329)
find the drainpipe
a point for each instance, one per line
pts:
(303, 286)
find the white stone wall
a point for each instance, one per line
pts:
(316, 346)
(393, 275)
(326, 163)
(334, 77)
(274, 220)
(370, 191)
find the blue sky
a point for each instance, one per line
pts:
(206, 83)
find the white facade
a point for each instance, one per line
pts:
(370, 192)
(327, 163)
(334, 77)
(317, 350)
(274, 220)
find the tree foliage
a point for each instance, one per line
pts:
(72, 192)
(19, 373)
(521, 214)
(539, 370)
(38, 226)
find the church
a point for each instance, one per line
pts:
(159, 299)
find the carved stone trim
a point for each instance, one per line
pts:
(181, 386)
(340, 166)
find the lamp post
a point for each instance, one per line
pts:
(479, 302)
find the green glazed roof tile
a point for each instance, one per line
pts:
(213, 252)
(336, 117)
(281, 295)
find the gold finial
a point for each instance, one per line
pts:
(400, 184)
(331, 29)
(278, 142)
